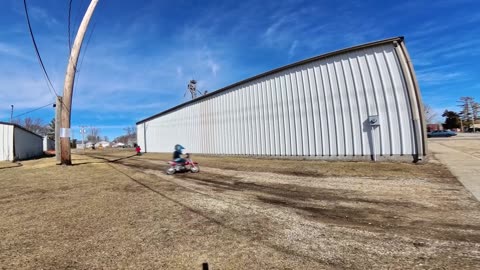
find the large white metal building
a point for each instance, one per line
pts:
(361, 102)
(17, 143)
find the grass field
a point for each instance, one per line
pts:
(115, 210)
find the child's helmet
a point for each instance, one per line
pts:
(178, 147)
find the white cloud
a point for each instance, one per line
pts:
(180, 72)
(13, 51)
(437, 77)
(213, 66)
(39, 14)
(291, 52)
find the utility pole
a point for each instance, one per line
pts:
(66, 158)
(82, 130)
(58, 115)
(11, 115)
(473, 116)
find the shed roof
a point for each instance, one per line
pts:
(305, 61)
(20, 127)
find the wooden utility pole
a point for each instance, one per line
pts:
(66, 158)
(58, 114)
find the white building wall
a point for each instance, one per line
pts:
(48, 144)
(319, 108)
(27, 145)
(6, 142)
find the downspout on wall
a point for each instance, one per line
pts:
(415, 100)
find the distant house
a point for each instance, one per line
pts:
(102, 144)
(433, 127)
(118, 145)
(18, 143)
(84, 145)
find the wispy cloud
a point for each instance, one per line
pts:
(438, 77)
(12, 51)
(39, 14)
(214, 67)
(291, 51)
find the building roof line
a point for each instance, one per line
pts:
(20, 127)
(264, 74)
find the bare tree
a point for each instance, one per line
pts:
(475, 109)
(469, 111)
(34, 125)
(94, 135)
(430, 114)
(130, 135)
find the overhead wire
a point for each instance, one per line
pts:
(76, 22)
(69, 32)
(83, 52)
(18, 115)
(49, 82)
(86, 47)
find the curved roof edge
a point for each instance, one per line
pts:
(301, 62)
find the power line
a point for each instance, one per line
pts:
(69, 34)
(76, 20)
(86, 47)
(18, 115)
(49, 83)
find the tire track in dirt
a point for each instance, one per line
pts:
(323, 205)
(256, 235)
(319, 209)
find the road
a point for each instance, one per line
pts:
(461, 155)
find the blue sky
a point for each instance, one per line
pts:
(142, 53)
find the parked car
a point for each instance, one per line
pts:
(441, 133)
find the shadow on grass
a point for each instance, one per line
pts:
(105, 160)
(278, 248)
(200, 213)
(10, 167)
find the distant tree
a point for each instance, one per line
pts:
(430, 114)
(452, 119)
(475, 110)
(469, 111)
(51, 129)
(105, 138)
(94, 135)
(130, 135)
(34, 125)
(131, 131)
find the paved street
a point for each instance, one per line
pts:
(461, 155)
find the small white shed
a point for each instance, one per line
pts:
(17, 143)
(48, 144)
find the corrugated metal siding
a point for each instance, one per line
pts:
(319, 108)
(6, 142)
(27, 145)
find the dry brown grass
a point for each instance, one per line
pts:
(113, 210)
(307, 167)
(8, 164)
